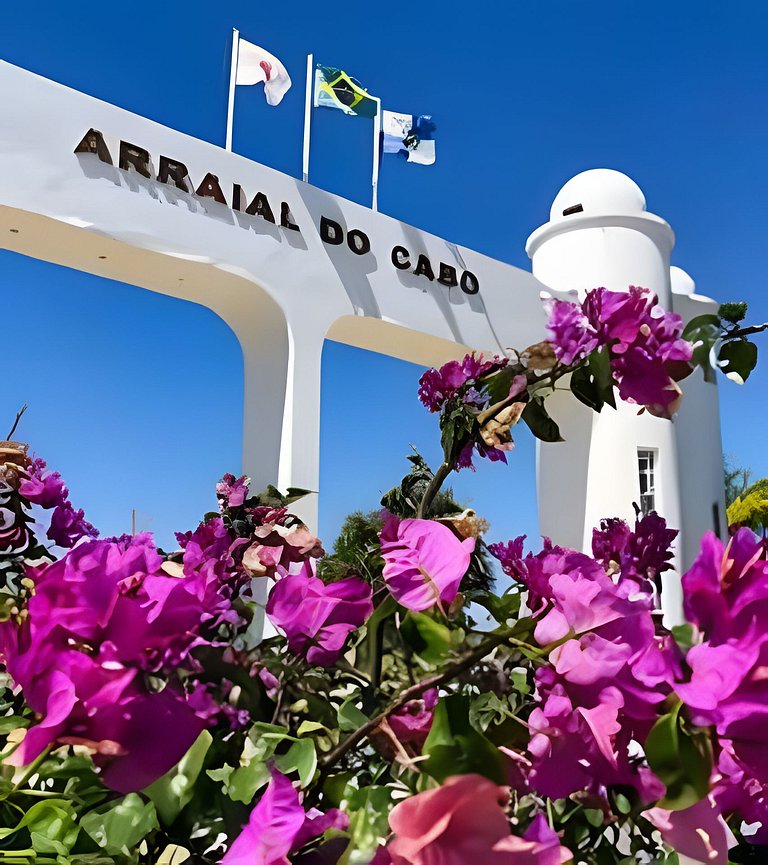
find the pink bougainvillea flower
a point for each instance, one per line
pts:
(317, 618)
(608, 673)
(231, 491)
(279, 826)
(437, 386)
(646, 350)
(424, 562)
(641, 554)
(47, 489)
(100, 619)
(737, 791)
(412, 722)
(726, 597)
(698, 832)
(575, 748)
(464, 821)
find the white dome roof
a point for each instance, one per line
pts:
(599, 191)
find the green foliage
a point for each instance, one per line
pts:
(737, 359)
(119, 827)
(733, 312)
(540, 423)
(703, 331)
(592, 382)
(681, 758)
(735, 354)
(51, 826)
(175, 789)
(455, 747)
(429, 638)
(751, 507)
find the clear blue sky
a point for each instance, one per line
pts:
(136, 397)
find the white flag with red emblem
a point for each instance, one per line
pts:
(255, 65)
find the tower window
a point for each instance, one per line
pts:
(646, 465)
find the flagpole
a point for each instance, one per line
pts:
(307, 117)
(232, 85)
(376, 143)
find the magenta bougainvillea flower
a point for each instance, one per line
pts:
(608, 671)
(737, 790)
(317, 618)
(640, 555)
(278, 825)
(424, 562)
(646, 350)
(231, 491)
(437, 386)
(412, 722)
(100, 619)
(576, 748)
(47, 489)
(726, 597)
(697, 832)
(463, 821)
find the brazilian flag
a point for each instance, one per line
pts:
(335, 89)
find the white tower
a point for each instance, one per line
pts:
(600, 234)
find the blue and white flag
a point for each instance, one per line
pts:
(409, 135)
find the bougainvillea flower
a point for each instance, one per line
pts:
(424, 562)
(737, 791)
(412, 722)
(47, 489)
(231, 491)
(317, 618)
(463, 821)
(573, 337)
(278, 826)
(437, 386)
(575, 748)
(100, 619)
(697, 832)
(640, 554)
(726, 596)
(646, 350)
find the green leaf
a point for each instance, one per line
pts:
(540, 423)
(368, 811)
(52, 827)
(592, 382)
(733, 312)
(173, 792)
(499, 385)
(121, 827)
(429, 639)
(273, 498)
(504, 608)
(301, 757)
(703, 332)
(489, 709)
(350, 717)
(243, 782)
(681, 760)
(455, 747)
(309, 727)
(13, 722)
(683, 635)
(737, 359)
